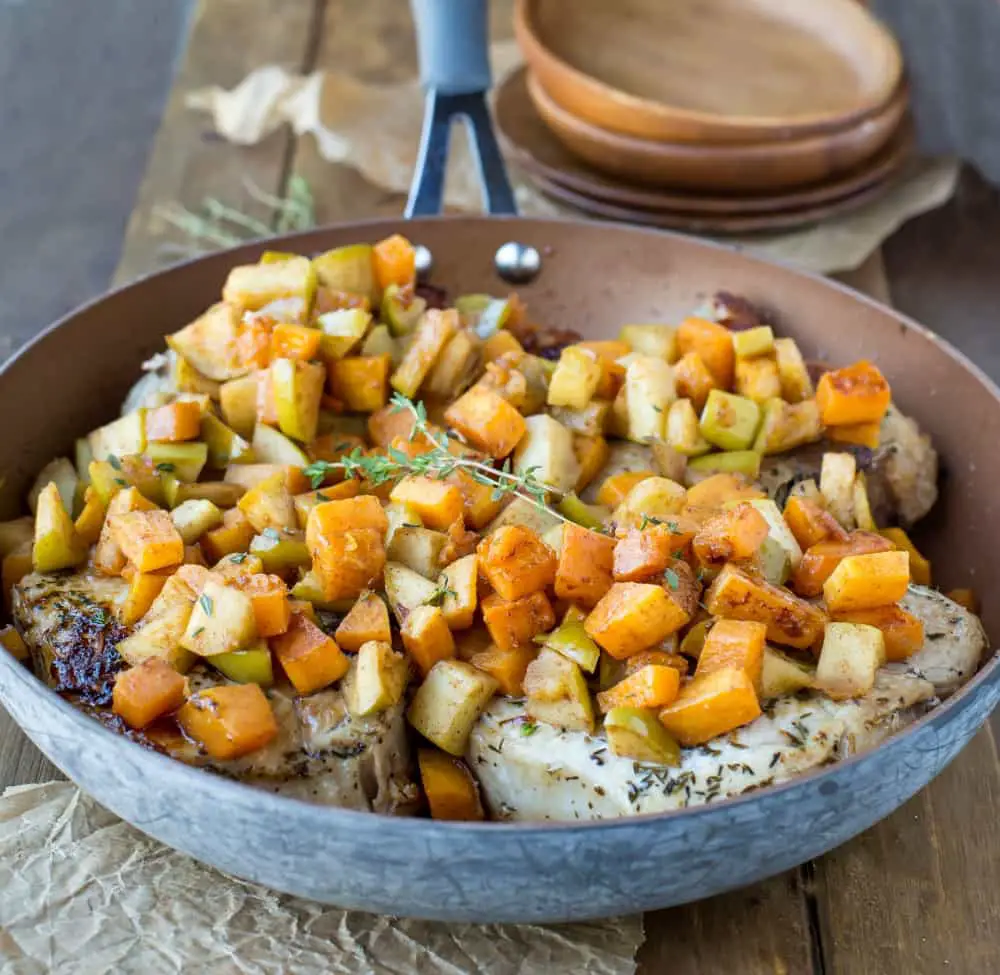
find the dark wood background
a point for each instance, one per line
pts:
(93, 135)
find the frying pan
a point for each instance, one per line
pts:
(593, 277)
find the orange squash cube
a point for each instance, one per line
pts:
(388, 424)
(642, 554)
(395, 262)
(304, 608)
(694, 381)
(854, 394)
(501, 343)
(705, 498)
(297, 342)
(591, 454)
(347, 563)
(965, 598)
(920, 568)
(253, 342)
(232, 536)
(148, 539)
(229, 721)
(367, 620)
(614, 489)
(304, 503)
(660, 658)
(143, 588)
(861, 434)
(451, 791)
(174, 422)
(427, 638)
(651, 686)
(867, 581)
(820, 560)
(480, 505)
(515, 623)
(714, 345)
(736, 533)
(711, 705)
(506, 667)
(487, 421)
(147, 692)
(90, 520)
(310, 658)
(361, 383)
(902, 631)
(736, 644)
(438, 504)
(269, 598)
(516, 562)
(791, 621)
(634, 616)
(586, 562)
(348, 513)
(811, 524)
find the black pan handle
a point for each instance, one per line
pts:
(452, 44)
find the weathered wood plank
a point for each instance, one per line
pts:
(228, 39)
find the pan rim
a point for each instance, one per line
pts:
(269, 804)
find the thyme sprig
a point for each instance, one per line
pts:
(437, 462)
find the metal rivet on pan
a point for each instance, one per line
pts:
(517, 263)
(424, 262)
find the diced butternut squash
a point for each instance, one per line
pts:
(143, 588)
(867, 581)
(711, 705)
(651, 686)
(790, 621)
(516, 562)
(820, 560)
(694, 380)
(849, 659)
(346, 563)
(451, 791)
(348, 513)
(448, 703)
(584, 571)
(56, 544)
(734, 644)
(90, 520)
(298, 342)
(966, 598)
(394, 260)
(811, 524)
(660, 658)
(230, 721)
(862, 434)
(515, 623)
(920, 567)
(616, 488)
(480, 502)
(427, 638)
(902, 632)
(641, 555)
(304, 503)
(310, 658)
(487, 421)
(736, 533)
(714, 345)
(460, 582)
(634, 616)
(361, 383)
(174, 422)
(854, 394)
(233, 535)
(438, 504)
(147, 692)
(719, 489)
(269, 598)
(796, 385)
(368, 620)
(591, 455)
(506, 667)
(148, 539)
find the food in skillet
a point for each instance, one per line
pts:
(357, 546)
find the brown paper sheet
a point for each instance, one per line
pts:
(376, 129)
(82, 892)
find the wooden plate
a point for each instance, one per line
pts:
(534, 148)
(711, 71)
(761, 167)
(707, 222)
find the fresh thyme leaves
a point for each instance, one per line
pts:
(320, 496)
(648, 520)
(205, 602)
(198, 632)
(528, 728)
(436, 462)
(114, 462)
(121, 482)
(440, 594)
(672, 579)
(166, 467)
(100, 617)
(238, 557)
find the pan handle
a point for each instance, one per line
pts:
(452, 45)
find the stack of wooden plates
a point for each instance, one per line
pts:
(714, 116)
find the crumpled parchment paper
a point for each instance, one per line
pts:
(376, 129)
(82, 892)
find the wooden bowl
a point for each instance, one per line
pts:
(723, 168)
(711, 71)
(531, 144)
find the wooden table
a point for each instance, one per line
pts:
(920, 892)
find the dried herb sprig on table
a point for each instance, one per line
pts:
(437, 462)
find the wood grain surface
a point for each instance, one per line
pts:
(917, 893)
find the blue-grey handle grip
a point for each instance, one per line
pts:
(453, 44)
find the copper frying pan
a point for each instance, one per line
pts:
(593, 278)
